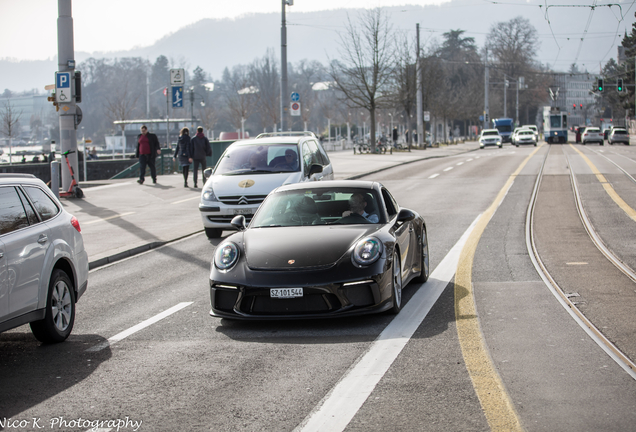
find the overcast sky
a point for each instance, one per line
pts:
(28, 27)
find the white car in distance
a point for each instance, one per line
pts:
(490, 137)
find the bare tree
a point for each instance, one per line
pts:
(513, 46)
(405, 80)
(209, 115)
(239, 93)
(365, 73)
(266, 78)
(10, 123)
(122, 104)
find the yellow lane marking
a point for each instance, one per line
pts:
(494, 399)
(608, 187)
(107, 218)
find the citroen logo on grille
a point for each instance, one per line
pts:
(243, 201)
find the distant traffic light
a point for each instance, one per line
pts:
(581, 106)
(600, 84)
(619, 85)
(573, 106)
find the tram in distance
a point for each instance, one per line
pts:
(555, 125)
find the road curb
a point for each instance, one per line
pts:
(135, 251)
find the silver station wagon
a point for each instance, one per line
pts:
(43, 263)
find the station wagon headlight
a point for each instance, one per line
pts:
(208, 195)
(226, 255)
(367, 251)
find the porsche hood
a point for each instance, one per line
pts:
(295, 248)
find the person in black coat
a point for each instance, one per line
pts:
(183, 154)
(147, 150)
(199, 149)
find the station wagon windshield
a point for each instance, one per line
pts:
(259, 159)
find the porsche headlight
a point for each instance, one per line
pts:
(226, 255)
(208, 195)
(367, 251)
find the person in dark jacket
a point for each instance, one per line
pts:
(147, 150)
(183, 154)
(199, 149)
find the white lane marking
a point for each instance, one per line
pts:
(107, 218)
(460, 163)
(142, 325)
(468, 160)
(198, 197)
(433, 176)
(334, 412)
(448, 169)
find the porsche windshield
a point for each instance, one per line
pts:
(319, 207)
(259, 159)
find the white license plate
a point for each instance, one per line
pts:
(243, 211)
(285, 292)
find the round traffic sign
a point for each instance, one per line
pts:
(295, 106)
(295, 97)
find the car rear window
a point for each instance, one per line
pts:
(620, 132)
(12, 214)
(44, 205)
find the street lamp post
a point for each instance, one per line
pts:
(283, 64)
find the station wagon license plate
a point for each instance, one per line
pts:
(243, 211)
(285, 292)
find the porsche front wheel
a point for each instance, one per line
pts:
(423, 277)
(396, 284)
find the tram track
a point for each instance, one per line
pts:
(589, 227)
(602, 341)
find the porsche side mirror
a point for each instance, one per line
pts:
(315, 169)
(207, 173)
(238, 222)
(405, 215)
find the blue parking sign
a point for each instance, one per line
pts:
(177, 96)
(62, 80)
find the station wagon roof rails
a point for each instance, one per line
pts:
(286, 134)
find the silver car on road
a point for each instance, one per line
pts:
(43, 263)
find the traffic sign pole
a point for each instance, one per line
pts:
(63, 82)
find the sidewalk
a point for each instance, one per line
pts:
(120, 218)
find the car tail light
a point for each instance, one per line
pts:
(75, 224)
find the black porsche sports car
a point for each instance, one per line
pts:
(325, 249)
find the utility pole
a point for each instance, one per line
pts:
(486, 84)
(283, 65)
(68, 111)
(505, 101)
(420, 126)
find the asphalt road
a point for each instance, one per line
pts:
(185, 370)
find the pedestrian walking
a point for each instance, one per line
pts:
(147, 150)
(182, 153)
(199, 149)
